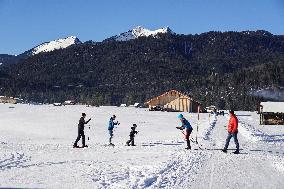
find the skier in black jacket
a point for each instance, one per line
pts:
(81, 127)
(132, 135)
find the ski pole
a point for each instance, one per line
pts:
(89, 132)
(198, 110)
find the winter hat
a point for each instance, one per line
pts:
(134, 125)
(83, 114)
(232, 112)
(180, 116)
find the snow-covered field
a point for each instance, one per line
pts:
(36, 150)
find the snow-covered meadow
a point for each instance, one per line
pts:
(36, 150)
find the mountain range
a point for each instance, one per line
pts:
(73, 40)
(140, 32)
(221, 68)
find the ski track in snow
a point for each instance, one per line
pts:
(175, 173)
(258, 136)
(169, 174)
(38, 159)
(9, 161)
(246, 170)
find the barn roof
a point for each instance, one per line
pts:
(172, 91)
(276, 107)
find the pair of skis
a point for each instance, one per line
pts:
(194, 141)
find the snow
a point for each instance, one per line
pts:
(261, 133)
(56, 44)
(36, 150)
(273, 107)
(140, 32)
(136, 104)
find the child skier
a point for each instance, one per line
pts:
(188, 129)
(132, 135)
(111, 125)
(81, 133)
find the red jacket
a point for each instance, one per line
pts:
(233, 124)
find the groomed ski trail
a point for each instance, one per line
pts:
(36, 151)
(244, 170)
(177, 173)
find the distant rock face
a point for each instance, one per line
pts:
(140, 32)
(56, 44)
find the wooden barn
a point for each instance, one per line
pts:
(174, 100)
(271, 113)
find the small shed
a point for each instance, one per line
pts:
(57, 104)
(137, 105)
(174, 100)
(211, 108)
(271, 113)
(69, 102)
(8, 100)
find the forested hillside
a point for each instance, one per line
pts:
(224, 69)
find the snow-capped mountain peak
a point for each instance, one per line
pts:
(55, 44)
(140, 32)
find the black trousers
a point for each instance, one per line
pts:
(131, 140)
(80, 134)
(110, 135)
(187, 135)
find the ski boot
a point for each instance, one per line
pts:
(224, 150)
(236, 152)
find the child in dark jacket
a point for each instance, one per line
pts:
(132, 135)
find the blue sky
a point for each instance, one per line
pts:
(27, 23)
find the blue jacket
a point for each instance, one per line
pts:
(111, 124)
(186, 124)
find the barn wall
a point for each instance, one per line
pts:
(194, 106)
(181, 104)
(174, 101)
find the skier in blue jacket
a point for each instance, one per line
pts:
(188, 129)
(111, 125)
